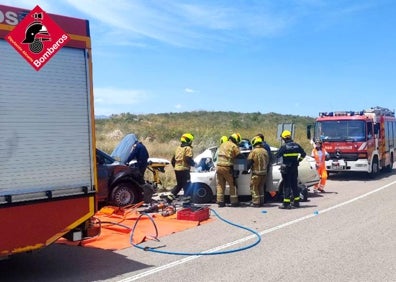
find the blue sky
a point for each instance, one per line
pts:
(286, 56)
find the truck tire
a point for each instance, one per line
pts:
(124, 194)
(201, 193)
(374, 168)
(390, 166)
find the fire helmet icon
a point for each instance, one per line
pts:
(35, 34)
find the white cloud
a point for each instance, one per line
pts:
(176, 23)
(189, 90)
(112, 100)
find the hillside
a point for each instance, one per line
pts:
(161, 132)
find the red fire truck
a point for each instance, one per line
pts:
(357, 141)
(47, 141)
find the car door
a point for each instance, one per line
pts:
(307, 174)
(104, 173)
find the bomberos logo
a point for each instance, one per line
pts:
(37, 38)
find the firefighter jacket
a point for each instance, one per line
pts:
(183, 158)
(228, 151)
(291, 152)
(258, 160)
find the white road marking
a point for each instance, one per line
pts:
(187, 259)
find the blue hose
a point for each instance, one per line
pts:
(156, 250)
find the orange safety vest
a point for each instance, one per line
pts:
(319, 158)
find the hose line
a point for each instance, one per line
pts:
(205, 253)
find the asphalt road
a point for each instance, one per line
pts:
(345, 234)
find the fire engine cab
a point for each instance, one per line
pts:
(357, 141)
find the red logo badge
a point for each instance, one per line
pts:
(37, 38)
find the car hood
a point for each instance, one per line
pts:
(123, 149)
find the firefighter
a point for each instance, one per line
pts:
(227, 153)
(223, 139)
(140, 154)
(320, 154)
(182, 160)
(291, 153)
(258, 160)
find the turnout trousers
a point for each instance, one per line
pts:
(257, 188)
(224, 175)
(290, 188)
(183, 178)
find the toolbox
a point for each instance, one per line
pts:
(193, 214)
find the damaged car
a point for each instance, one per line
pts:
(121, 184)
(203, 177)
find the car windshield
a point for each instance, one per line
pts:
(103, 158)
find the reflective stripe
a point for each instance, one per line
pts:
(297, 199)
(291, 155)
(286, 200)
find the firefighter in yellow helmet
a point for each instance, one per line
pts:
(227, 153)
(223, 139)
(291, 153)
(181, 161)
(258, 160)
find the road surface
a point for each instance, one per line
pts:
(345, 234)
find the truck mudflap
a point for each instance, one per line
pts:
(34, 225)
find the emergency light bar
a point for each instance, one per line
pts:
(341, 113)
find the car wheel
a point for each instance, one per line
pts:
(123, 194)
(201, 193)
(303, 194)
(279, 194)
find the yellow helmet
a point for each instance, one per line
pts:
(187, 138)
(223, 139)
(286, 134)
(256, 140)
(236, 137)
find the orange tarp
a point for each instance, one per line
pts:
(117, 224)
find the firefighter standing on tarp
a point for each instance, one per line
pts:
(291, 153)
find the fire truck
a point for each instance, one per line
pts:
(362, 141)
(47, 141)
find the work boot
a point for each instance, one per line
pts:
(296, 204)
(285, 206)
(221, 204)
(234, 205)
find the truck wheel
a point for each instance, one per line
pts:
(374, 168)
(390, 166)
(201, 193)
(123, 195)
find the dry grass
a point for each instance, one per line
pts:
(160, 133)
